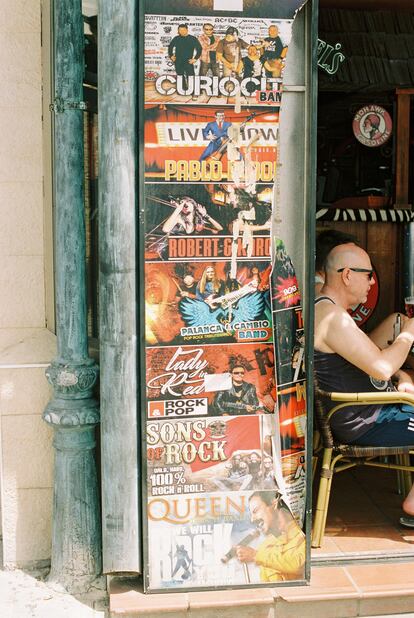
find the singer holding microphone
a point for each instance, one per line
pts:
(281, 555)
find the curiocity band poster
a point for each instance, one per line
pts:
(225, 412)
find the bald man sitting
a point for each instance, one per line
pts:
(347, 359)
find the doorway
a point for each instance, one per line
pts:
(359, 192)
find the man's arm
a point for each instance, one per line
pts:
(172, 220)
(197, 48)
(337, 332)
(252, 398)
(204, 42)
(220, 56)
(288, 559)
(383, 334)
(171, 47)
(218, 403)
(213, 46)
(207, 130)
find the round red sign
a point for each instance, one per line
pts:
(372, 125)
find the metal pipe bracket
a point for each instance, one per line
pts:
(59, 105)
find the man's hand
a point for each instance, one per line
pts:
(405, 382)
(250, 409)
(192, 61)
(408, 326)
(245, 553)
(173, 58)
(211, 137)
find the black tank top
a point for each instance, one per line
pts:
(334, 373)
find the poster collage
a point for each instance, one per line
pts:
(225, 380)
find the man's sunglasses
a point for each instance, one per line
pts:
(370, 272)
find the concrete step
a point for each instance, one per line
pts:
(334, 592)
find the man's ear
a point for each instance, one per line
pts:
(346, 277)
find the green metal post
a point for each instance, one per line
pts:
(73, 412)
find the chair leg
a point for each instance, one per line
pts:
(316, 452)
(406, 477)
(315, 460)
(400, 480)
(328, 494)
(322, 502)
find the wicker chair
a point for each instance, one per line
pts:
(337, 457)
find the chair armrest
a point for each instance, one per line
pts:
(365, 399)
(372, 397)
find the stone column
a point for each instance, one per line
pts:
(73, 412)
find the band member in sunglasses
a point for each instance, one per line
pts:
(241, 398)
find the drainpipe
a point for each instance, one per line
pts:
(73, 412)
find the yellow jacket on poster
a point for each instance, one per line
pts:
(282, 558)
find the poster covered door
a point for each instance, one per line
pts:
(224, 424)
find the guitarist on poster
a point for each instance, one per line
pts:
(215, 132)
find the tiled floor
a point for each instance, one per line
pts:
(363, 515)
(363, 518)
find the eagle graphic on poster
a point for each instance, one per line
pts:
(198, 313)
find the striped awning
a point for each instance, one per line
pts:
(374, 215)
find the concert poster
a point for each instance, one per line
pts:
(210, 60)
(222, 539)
(274, 9)
(199, 221)
(290, 376)
(294, 475)
(207, 302)
(210, 144)
(198, 381)
(285, 287)
(290, 345)
(188, 454)
(292, 417)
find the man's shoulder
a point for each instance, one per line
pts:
(325, 307)
(331, 320)
(249, 387)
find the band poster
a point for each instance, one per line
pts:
(225, 407)
(288, 332)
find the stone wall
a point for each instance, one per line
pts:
(26, 346)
